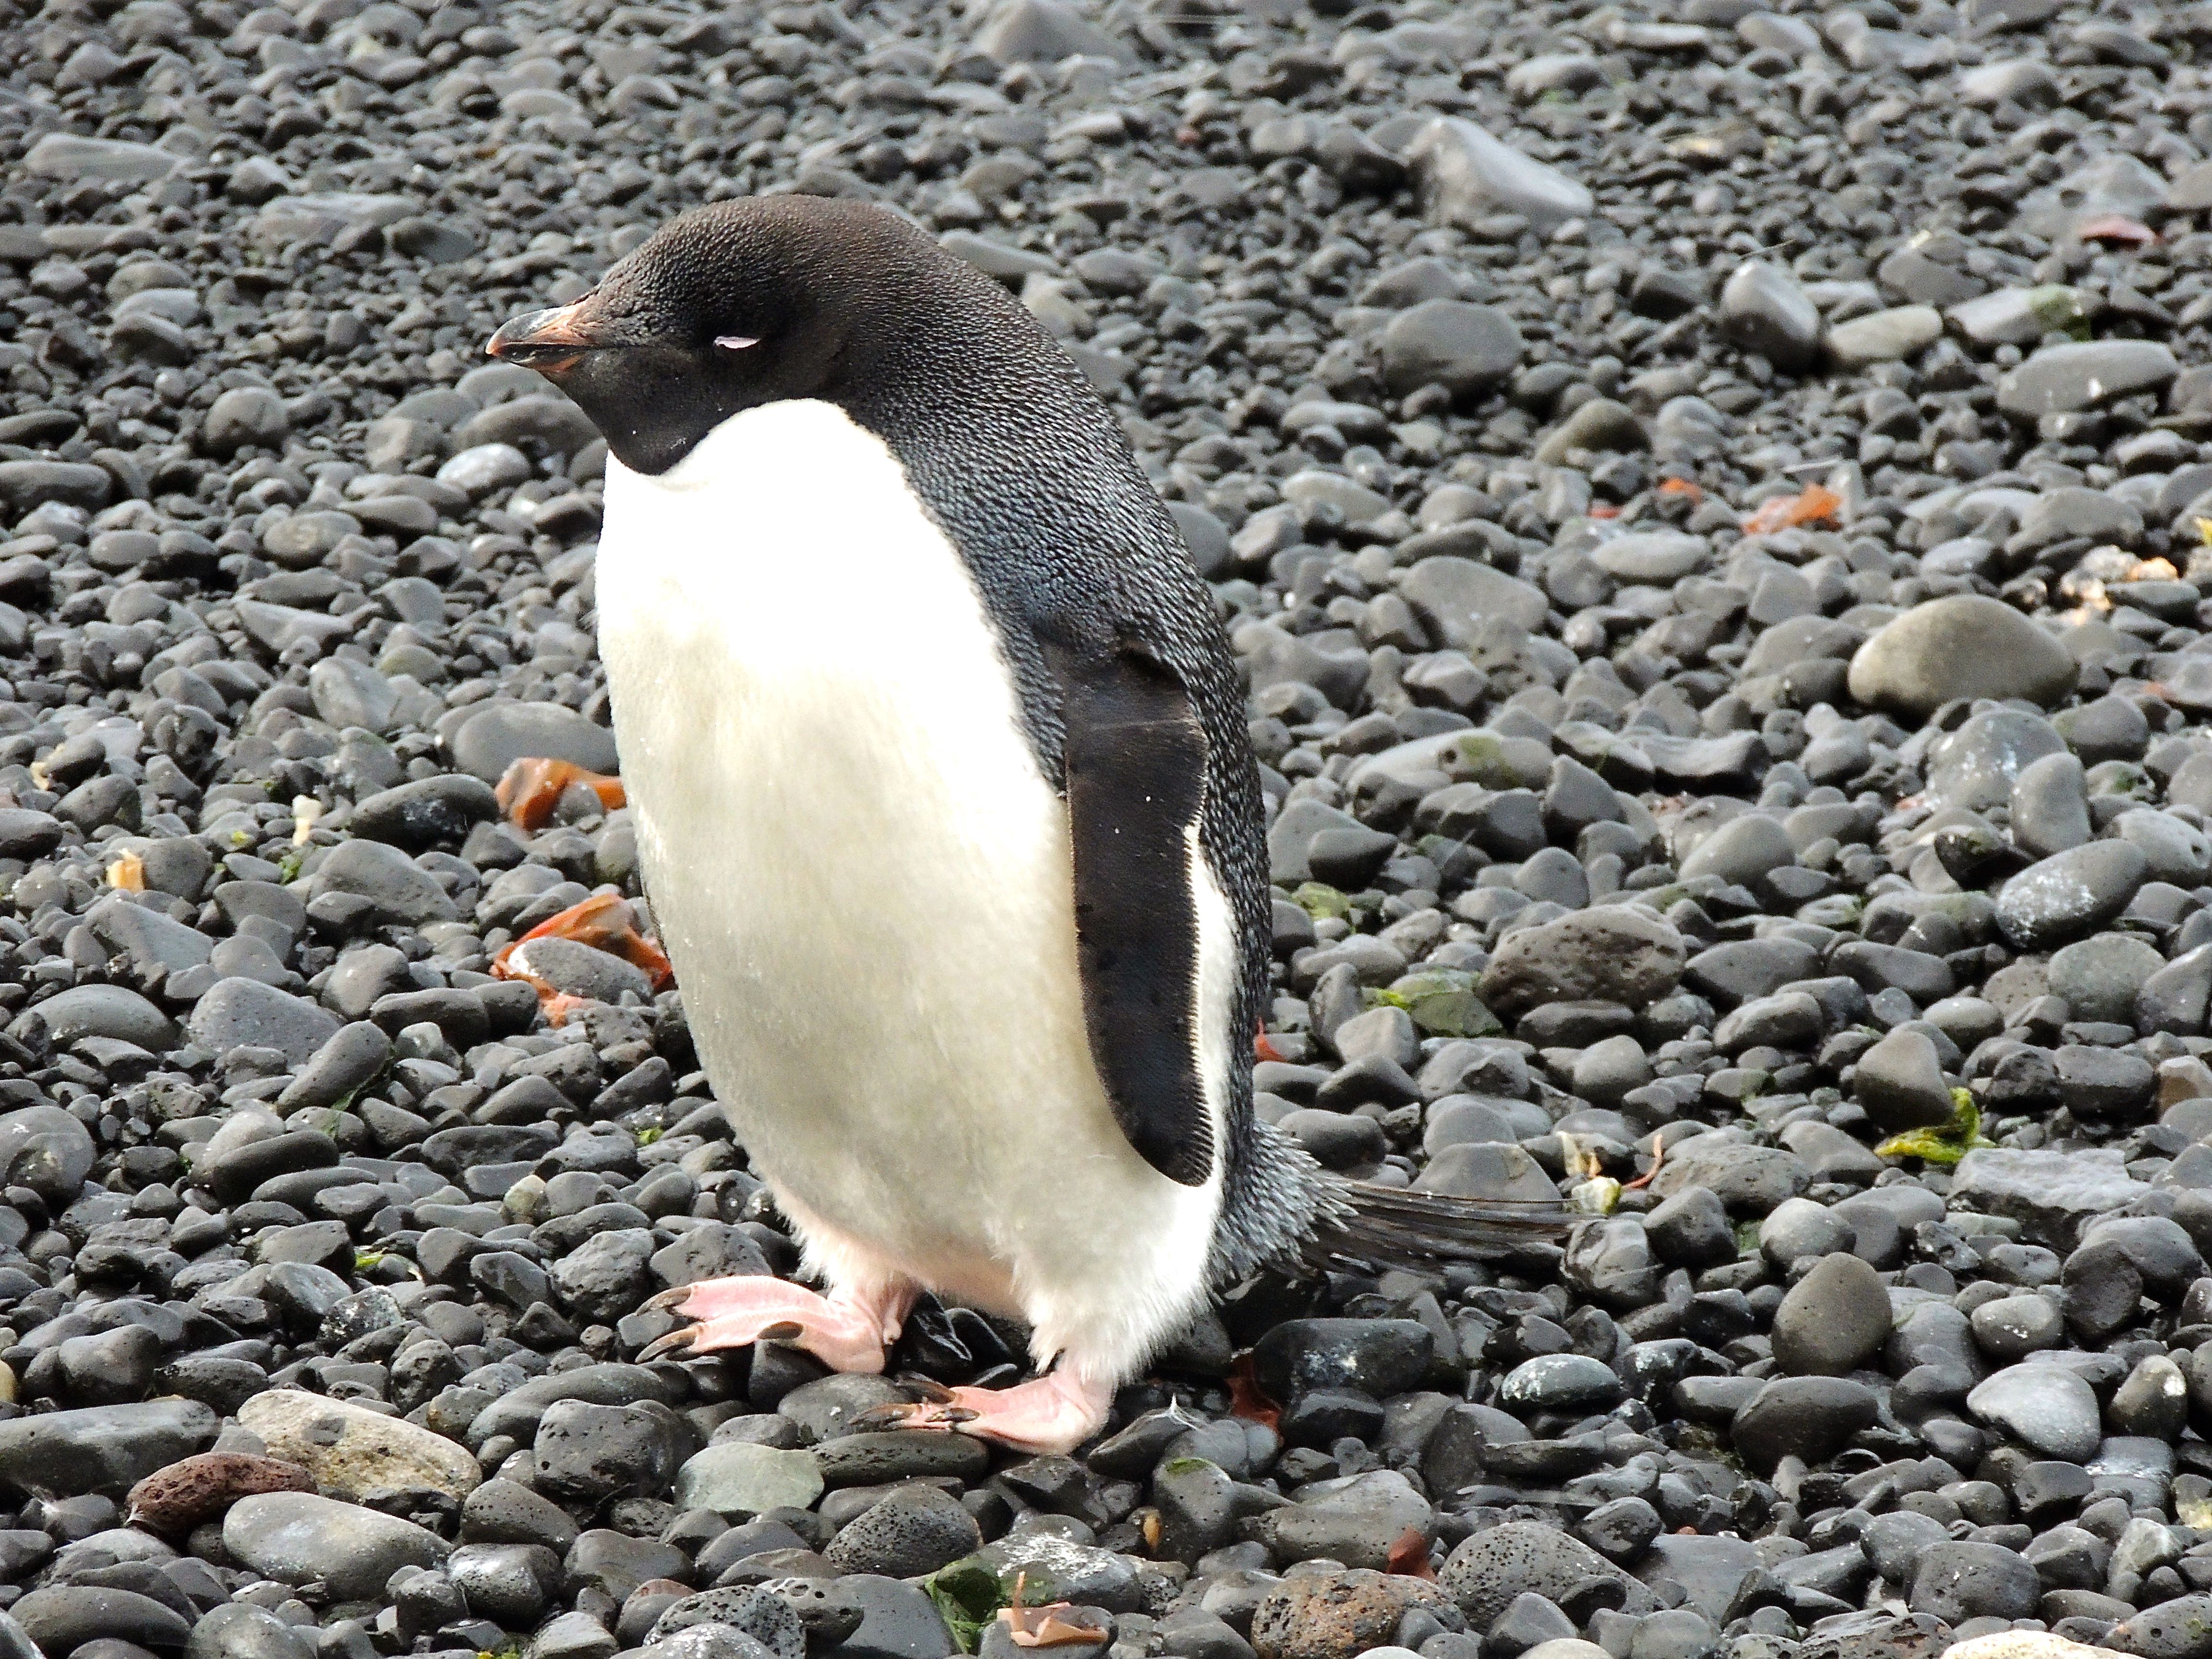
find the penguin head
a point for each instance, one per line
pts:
(730, 307)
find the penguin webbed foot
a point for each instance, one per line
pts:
(846, 1331)
(1047, 1416)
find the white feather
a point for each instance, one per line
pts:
(865, 883)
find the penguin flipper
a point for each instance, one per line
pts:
(1135, 758)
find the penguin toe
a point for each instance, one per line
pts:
(1047, 1416)
(737, 1311)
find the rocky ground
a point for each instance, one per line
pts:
(1714, 505)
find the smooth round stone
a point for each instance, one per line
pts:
(1812, 1417)
(580, 970)
(490, 742)
(300, 1537)
(481, 468)
(1763, 309)
(2051, 806)
(1740, 851)
(1899, 1083)
(1964, 645)
(242, 1631)
(2043, 1407)
(44, 1148)
(1656, 556)
(1833, 1321)
(1466, 176)
(61, 1619)
(2013, 1327)
(1561, 1382)
(1885, 336)
(1976, 766)
(2098, 977)
(2069, 893)
(1453, 344)
(246, 415)
(242, 1012)
(106, 1011)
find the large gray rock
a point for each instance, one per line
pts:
(1453, 596)
(1520, 1557)
(2053, 1195)
(246, 1013)
(487, 742)
(2061, 379)
(355, 1454)
(299, 1537)
(1043, 32)
(1615, 953)
(110, 160)
(102, 1448)
(1750, 1180)
(1762, 309)
(2047, 1407)
(105, 1011)
(2069, 893)
(1465, 175)
(1899, 1083)
(1963, 644)
(1453, 344)
(397, 888)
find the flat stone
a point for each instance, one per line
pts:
(110, 160)
(1465, 175)
(490, 741)
(2047, 1407)
(2069, 893)
(106, 1011)
(1963, 644)
(300, 1538)
(102, 1448)
(1885, 336)
(355, 1454)
(2053, 1195)
(2062, 379)
(739, 1478)
(244, 1012)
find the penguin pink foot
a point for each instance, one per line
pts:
(848, 1330)
(1050, 1415)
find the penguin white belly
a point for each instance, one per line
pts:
(864, 882)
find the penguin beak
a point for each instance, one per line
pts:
(550, 340)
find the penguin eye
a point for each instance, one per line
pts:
(734, 342)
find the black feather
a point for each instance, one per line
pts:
(1392, 1227)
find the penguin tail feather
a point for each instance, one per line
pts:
(1392, 1227)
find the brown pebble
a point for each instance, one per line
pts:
(177, 1499)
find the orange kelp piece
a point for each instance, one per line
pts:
(533, 786)
(602, 921)
(1246, 1398)
(2117, 228)
(1816, 505)
(1409, 1555)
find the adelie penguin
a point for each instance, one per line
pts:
(947, 807)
